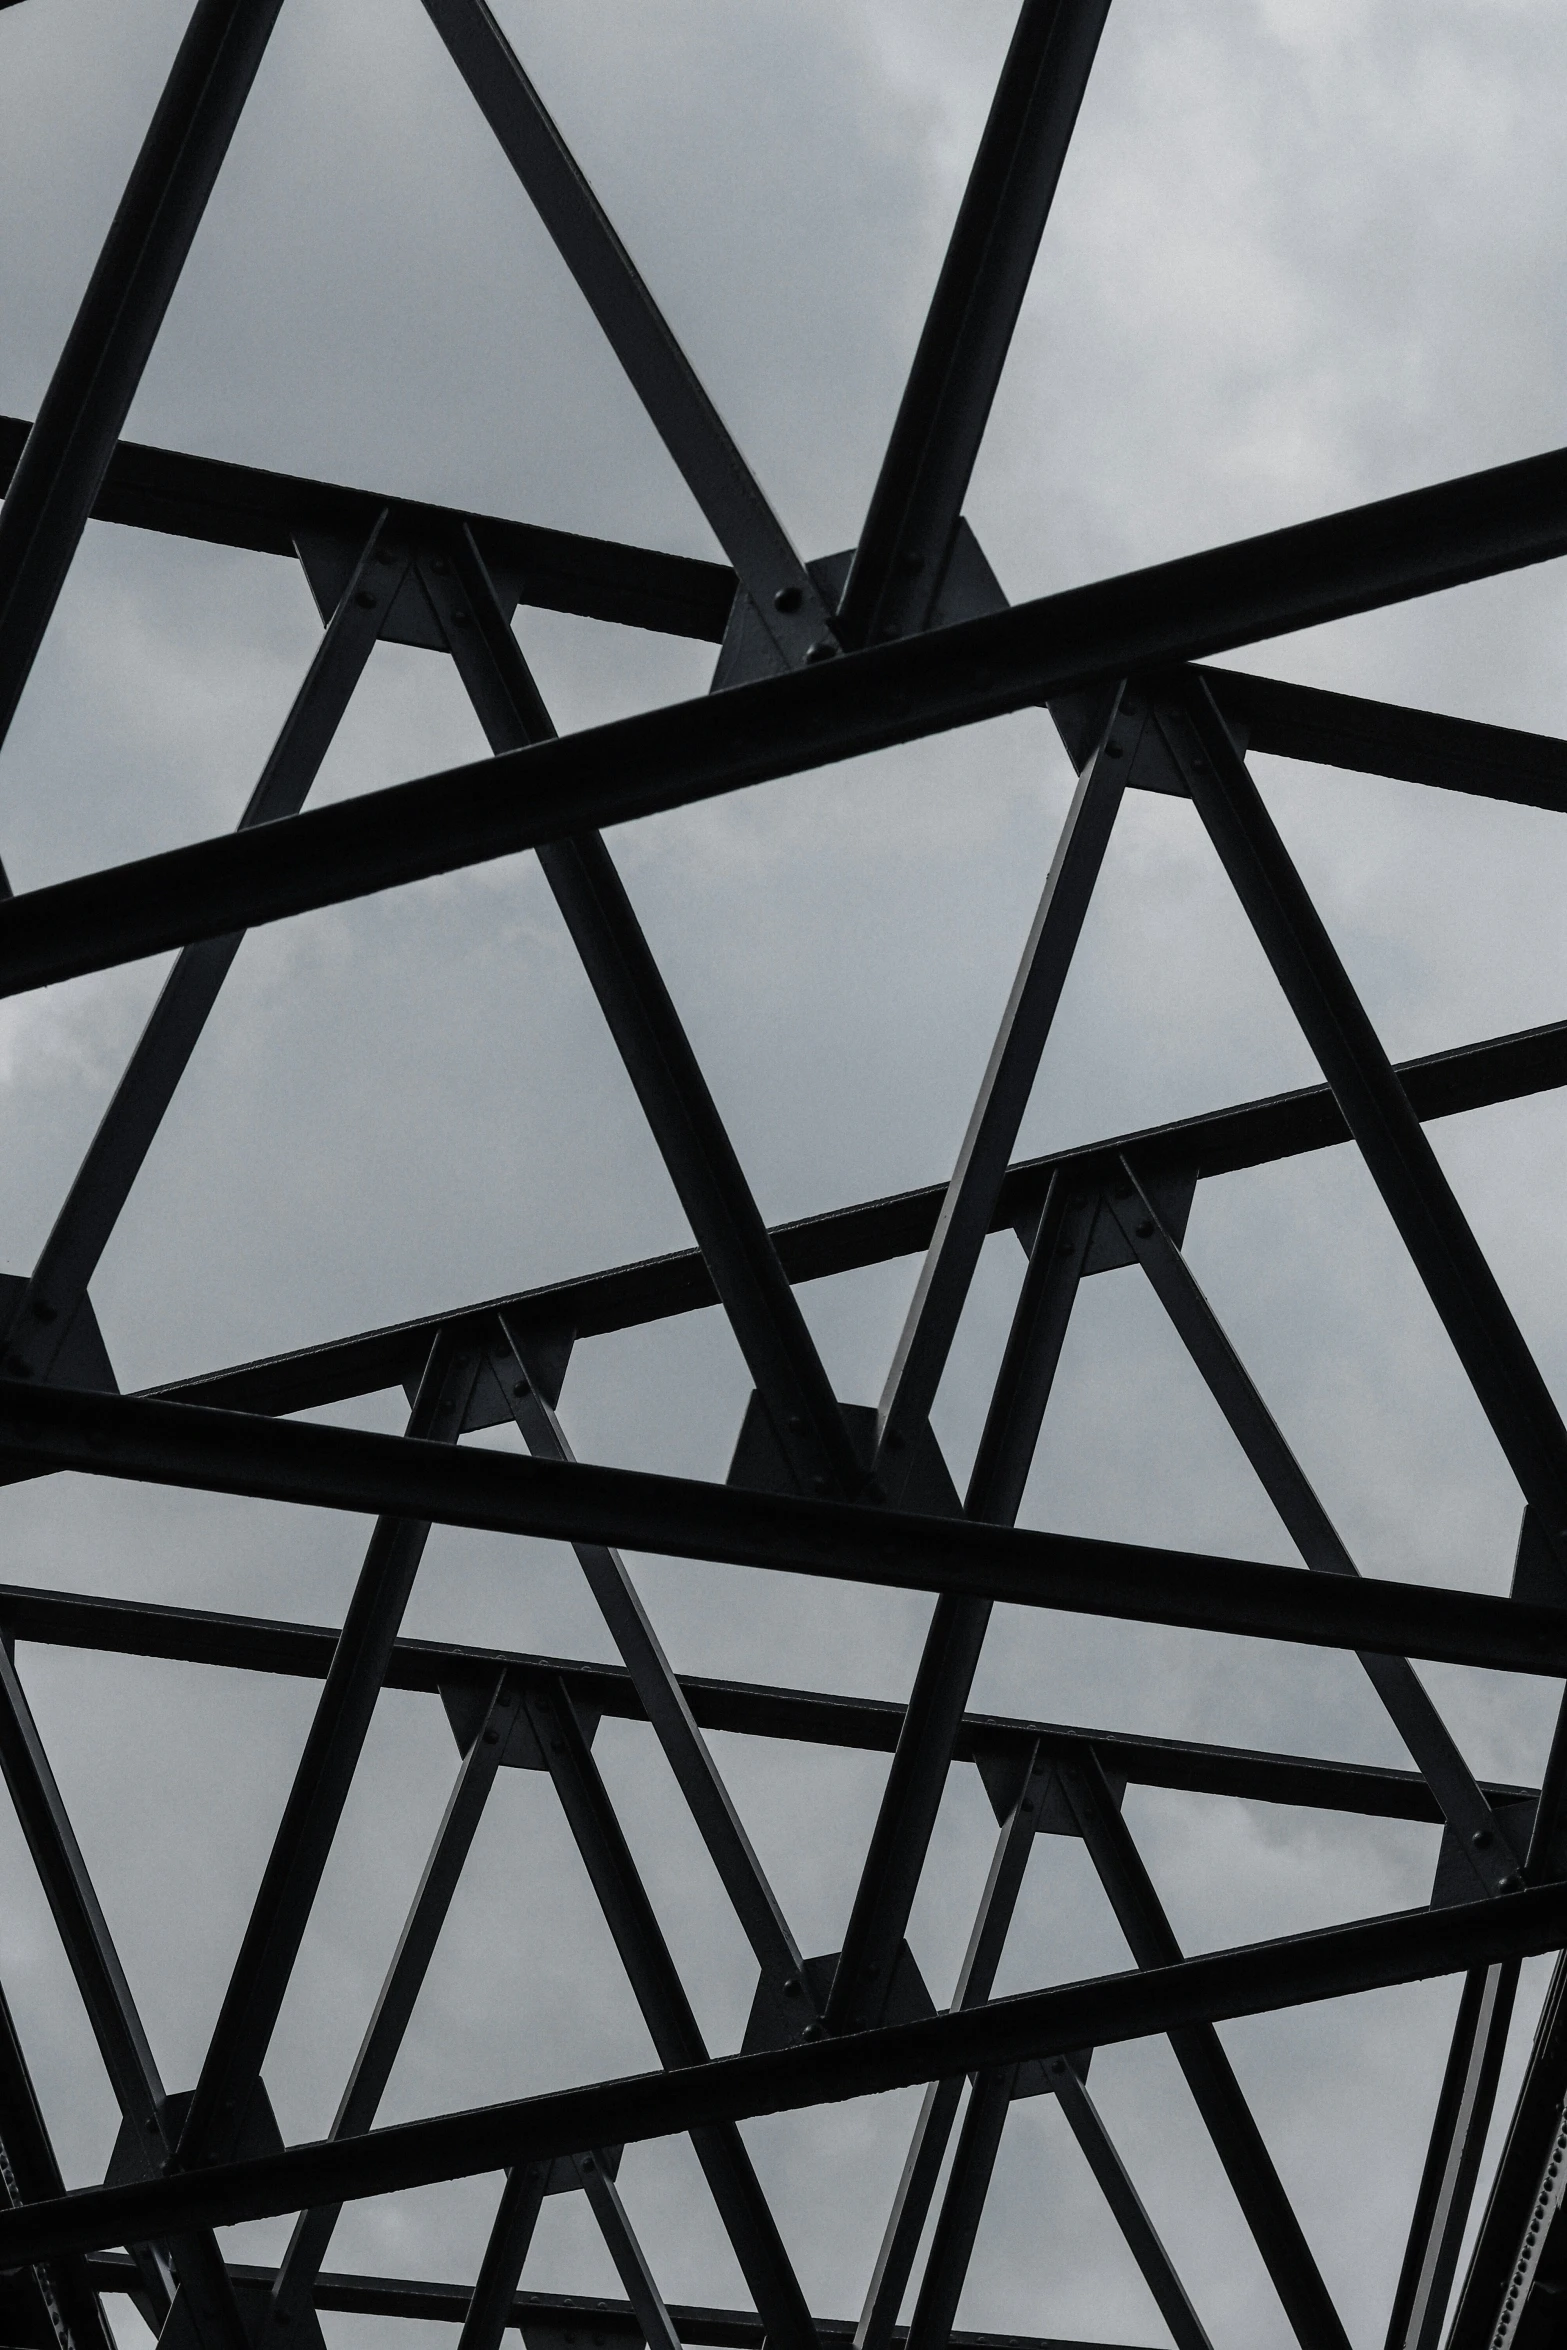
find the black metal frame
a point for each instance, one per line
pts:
(906, 636)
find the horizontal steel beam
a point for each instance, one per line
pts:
(1383, 738)
(747, 1709)
(873, 1232)
(1256, 1979)
(1172, 612)
(699, 2326)
(354, 1469)
(268, 513)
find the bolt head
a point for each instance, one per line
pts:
(788, 599)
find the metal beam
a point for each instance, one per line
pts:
(1482, 1838)
(631, 2263)
(1402, 1164)
(45, 1313)
(244, 506)
(873, 1232)
(1210, 2077)
(671, 2024)
(667, 1708)
(968, 1210)
(325, 1771)
(1530, 2151)
(787, 602)
(61, 469)
(1158, 2270)
(911, 1798)
(292, 2289)
(898, 565)
(66, 2305)
(928, 2146)
(1295, 1971)
(700, 2326)
(692, 1141)
(1296, 578)
(353, 1469)
(495, 2288)
(121, 1627)
(1382, 738)
(1458, 2134)
(133, 2073)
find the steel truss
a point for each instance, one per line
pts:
(907, 635)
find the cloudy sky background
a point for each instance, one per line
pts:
(1304, 253)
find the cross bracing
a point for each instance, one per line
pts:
(904, 637)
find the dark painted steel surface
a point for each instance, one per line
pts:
(902, 555)
(874, 1231)
(1210, 2076)
(788, 605)
(61, 469)
(1105, 660)
(1331, 1964)
(244, 506)
(667, 2012)
(352, 1469)
(1290, 579)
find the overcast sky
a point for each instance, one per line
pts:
(1304, 253)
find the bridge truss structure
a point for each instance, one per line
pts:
(906, 637)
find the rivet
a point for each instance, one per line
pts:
(891, 632)
(912, 563)
(492, 1737)
(459, 618)
(1480, 1839)
(440, 566)
(792, 1987)
(365, 600)
(823, 650)
(814, 2032)
(1145, 1230)
(1112, 750)
(796, 1423)
(787, 599)
(1512, 1882)
(875, 1491)
(818, 1484)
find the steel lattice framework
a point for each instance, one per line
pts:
(906, 638)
